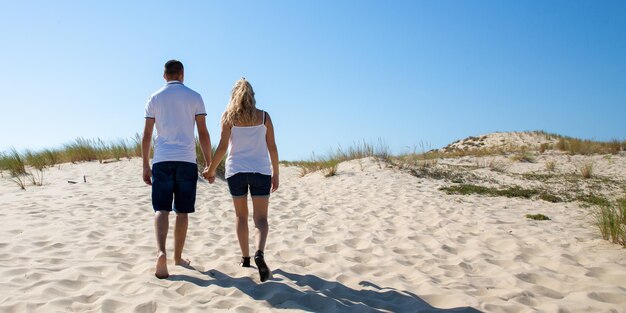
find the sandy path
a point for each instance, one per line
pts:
(368, 239)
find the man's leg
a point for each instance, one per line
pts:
(161, 226)
(180, 234)
(185, 184)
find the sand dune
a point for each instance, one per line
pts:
(370, 239)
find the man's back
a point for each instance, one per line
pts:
(174, 108)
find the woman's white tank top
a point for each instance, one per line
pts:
(247, 150)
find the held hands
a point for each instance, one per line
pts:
(147, 175)
(209, 175)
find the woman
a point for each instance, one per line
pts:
(248, 134)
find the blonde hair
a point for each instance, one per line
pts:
(242, 105)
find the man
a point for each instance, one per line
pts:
(174, 109)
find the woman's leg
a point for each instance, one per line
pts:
(241, 223)
(260, 207)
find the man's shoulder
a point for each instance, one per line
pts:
(158, 92)
(179, 90)
(192, 92)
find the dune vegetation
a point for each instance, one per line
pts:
(555, 176)
(29, 165)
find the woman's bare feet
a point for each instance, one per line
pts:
(161, 266)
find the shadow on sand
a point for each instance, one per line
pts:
(320, 295)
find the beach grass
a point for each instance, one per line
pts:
(121, 149)
(537, 217)
(593, 200)
(586, 170)
(53, 157)
(524, 157)
(550, 197)
(81, 150)
(39, 160)
(493, 164)
(328, 164)
(13, 162)
(510, 192)
(586, 147)
(135, 142)
(85, 150)
(421, 157)
(610, 218)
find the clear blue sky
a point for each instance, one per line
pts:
(329, 72)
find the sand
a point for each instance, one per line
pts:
(370, 239)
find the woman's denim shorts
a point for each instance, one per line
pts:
(258, 184)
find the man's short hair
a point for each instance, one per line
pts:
(173, 68)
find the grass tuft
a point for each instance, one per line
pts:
(586, 147)
(586, 170)
(611, 221)
(511, 192)
(544, 147)
(537, 217)
(328, 164)
(80, 150)
(329, 167)
(593, 200)
(550, 197)
(524, 158)
(498, 166)
(16, 167)
(15, 163)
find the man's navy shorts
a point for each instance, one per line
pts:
(174, 182)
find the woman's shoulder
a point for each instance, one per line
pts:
(263, 113)
(265, 116)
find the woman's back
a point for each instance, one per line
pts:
(248, 151)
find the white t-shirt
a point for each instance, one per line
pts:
(174, 108)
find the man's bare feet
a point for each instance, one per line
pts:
(183, 262)
(161, 266)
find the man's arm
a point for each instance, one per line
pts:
(146, 143)
(205, 139)
(219, 153)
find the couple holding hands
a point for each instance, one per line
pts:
(251, 164)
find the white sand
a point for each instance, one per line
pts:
(368, 239)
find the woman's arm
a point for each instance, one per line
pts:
(273, 150)
(219, 153)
